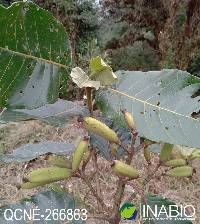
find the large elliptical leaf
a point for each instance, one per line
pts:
(56, 114)
(162, 103)
(33, 46)
(29, 152)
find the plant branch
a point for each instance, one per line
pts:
(88, 91)
(100, 200)
(121, 181)
(94, 158)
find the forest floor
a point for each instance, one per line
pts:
(13, 135)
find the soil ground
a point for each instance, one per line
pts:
(13, 135)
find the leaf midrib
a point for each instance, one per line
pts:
(33, 57)
(152, 105)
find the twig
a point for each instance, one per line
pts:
(88, 91)
(118, 198)
(94, 158)
(84, 178)
(122, 182)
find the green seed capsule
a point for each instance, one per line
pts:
(59, 161)
(129, 120)
(166, 152)
(50, 174)
(122, 169)
(182, 171)
(29, 185)
(194, 155)
(99, 128)
(78, 154)
(176, 162)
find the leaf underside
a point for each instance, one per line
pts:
(31, 151)
(162, 103)
(56, 114)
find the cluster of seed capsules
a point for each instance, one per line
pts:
(64, 168)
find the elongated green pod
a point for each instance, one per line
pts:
(182, 171)
(122, 169)
(194, 155)
(49, 174)
(147, 155)
(30, 185)
(176, 162)
(59, 161)
(166, 152)
(99, 128)
(79, 153)
(129, 119)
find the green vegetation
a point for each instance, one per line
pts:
(45, 54)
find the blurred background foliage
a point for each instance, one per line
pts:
(129, 34)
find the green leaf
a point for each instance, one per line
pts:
(161, 104)
(102, 72)
(28, 152)
(98, 65)
(56, 114)
(48, 203)
(162, 205)
(33, 47)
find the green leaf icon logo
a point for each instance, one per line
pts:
(128, 211)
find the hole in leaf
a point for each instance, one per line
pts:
(197, 93)
(195, 114)
(21, 91)
(28, 66)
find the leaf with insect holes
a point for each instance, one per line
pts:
(33, 48)
(165, 104)
(56, 114)
(29, 152)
